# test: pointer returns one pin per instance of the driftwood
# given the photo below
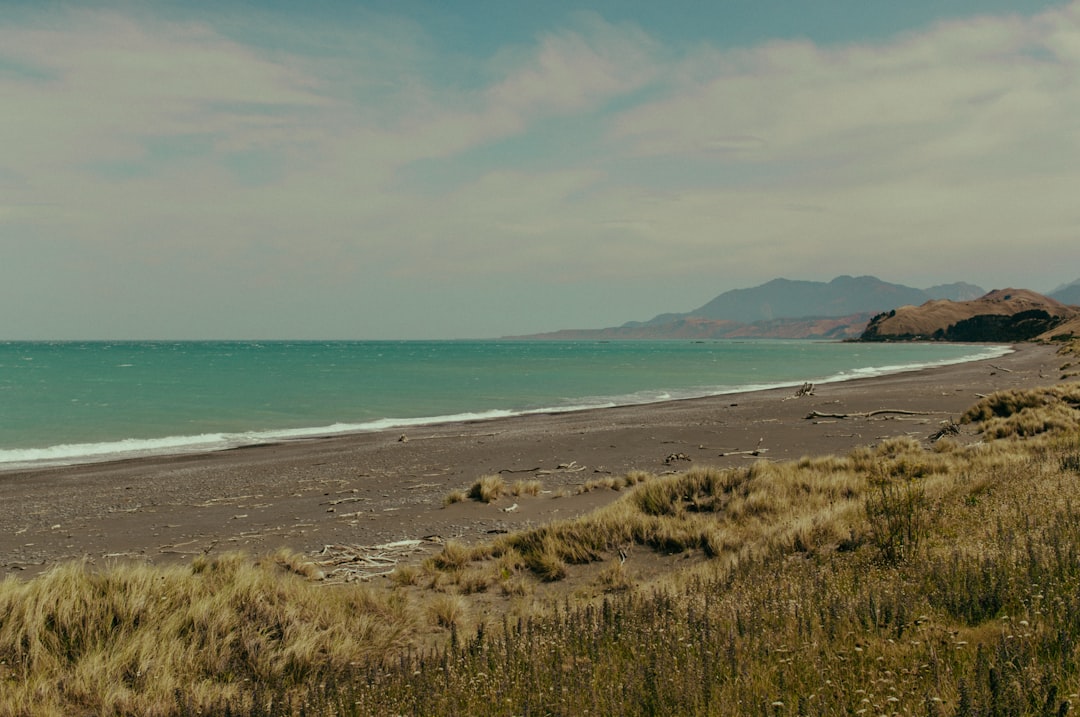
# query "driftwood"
(339, 501)
(571, 467)
(807, 389)
(948, 428)
(755, 452)
(354, 563)
(868, 414)
(404, 438)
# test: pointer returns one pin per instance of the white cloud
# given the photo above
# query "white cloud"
(577, 70)
(131, 136)
(935, 147)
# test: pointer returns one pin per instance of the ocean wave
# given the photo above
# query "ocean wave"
(72, 453)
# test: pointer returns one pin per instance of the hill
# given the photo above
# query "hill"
(1001, 315)
(1067, 294)
(843, 296)
(1062, 332)
(694, 328)
(781, 308)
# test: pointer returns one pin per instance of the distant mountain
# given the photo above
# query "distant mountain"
(959, 291)
(781, 308)
(1001, 315)
(843, 296)
(1067, 294)
(693, 328)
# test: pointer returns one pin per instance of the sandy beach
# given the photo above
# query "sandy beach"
(372, 488)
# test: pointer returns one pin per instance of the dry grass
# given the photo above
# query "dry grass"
(893, 580)
(447, 611)
(1028, 413)
(488, 488)
(124, 640)
(526, 487)
(615, 482)
(456, 496)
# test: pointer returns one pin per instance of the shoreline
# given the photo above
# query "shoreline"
(374, 487)
(123, 449)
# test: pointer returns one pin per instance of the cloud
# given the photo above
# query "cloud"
(955, 141)
(577, 70)
(110, 82)
(328, 161)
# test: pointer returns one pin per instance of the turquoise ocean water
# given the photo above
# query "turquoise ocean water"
(73, 402)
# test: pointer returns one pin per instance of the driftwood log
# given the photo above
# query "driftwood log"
(868, 414)
(354, 563)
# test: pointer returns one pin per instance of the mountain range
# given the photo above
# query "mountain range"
(784, 308)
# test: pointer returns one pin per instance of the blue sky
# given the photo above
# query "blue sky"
(408, 169)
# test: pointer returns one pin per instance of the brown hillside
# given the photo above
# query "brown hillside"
(1068, 330)
(1001, 315)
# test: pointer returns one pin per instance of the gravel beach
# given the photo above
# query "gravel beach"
(372, 488)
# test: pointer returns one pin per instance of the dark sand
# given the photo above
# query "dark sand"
(373, 488)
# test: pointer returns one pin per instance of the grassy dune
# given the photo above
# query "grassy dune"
(904, 578)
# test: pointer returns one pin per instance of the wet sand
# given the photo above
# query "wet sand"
(373, 488)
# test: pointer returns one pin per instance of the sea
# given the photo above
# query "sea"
(70, 402)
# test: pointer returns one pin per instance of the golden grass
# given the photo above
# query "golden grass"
(526, 487)
(84, 640)
(447, 610)
(488, 488)
(837, 576)
(456, 496)
(1028, 413)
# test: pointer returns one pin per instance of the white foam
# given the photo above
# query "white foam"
(71, 453)
(981, 354)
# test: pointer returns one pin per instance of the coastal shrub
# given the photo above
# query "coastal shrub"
(405, 575)
(607, 483)
(455, 496)
(488, 488)
(447, 610)
(453, 556)
(526, 487)
(1004, 414)
(896, 512)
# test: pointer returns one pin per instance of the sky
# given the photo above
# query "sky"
(422, 169)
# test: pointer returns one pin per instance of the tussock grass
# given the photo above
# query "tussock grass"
(488, 488)
(447, 610)
(456, 496)
(125, 640)
(615, 482)
(453, 556)
(526, 487)
(893, 580)
(1028, 413)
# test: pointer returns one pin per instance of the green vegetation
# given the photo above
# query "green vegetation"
(899, 579)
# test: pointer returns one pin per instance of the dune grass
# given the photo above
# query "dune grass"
(126, 639)
(898, 579)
